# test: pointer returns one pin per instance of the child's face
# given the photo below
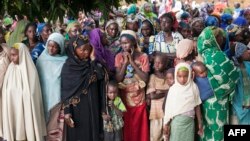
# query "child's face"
(170, 79)
(112, 92)
(186, 32)
(158, 64)
(182, 77)
(146, 30)
(53, 48)
(126, 44)
(200, 71)
(14, 56)
(83, 52)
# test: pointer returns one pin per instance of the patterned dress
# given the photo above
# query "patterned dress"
(223, 77)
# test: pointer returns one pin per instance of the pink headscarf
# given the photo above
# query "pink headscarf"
(184, 48)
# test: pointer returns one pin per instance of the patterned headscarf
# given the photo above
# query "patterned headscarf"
(225, 18)
(240, 48)
(198, 19)
(233, 30)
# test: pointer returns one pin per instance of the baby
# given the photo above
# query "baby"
(202, 81)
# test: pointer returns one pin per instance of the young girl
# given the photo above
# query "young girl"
(170, 82)
(156, 91)
(132, 69)
(23, 114)
(181, 106)
(113, 121)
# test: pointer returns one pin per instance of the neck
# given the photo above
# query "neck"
(159, 74)
(168, 33)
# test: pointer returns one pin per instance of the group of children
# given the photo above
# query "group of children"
(171, 94)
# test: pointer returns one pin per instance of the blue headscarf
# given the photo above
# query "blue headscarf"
(212, 21)
(240, 21)
(225, 18)
(49, 70)
(40, 27)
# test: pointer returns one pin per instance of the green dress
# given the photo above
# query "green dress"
(223, 76)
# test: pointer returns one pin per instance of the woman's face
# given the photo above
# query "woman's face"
(182, 77)
(14, 56)
(112, 30)
(166, 24)
(146, 30)
(46, 32)
(220, 40)
(247, 17)
(53, 48)
(126, 44)
(198, 27)
(147, 8)
(83, 52)
(132, 26)
(31, 32)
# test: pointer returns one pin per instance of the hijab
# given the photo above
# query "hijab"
(181, 98)
(103, 55)
(49, 69)
(184, 48)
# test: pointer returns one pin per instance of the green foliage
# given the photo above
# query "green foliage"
(52, 9)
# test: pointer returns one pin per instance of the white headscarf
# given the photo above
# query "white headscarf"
(23, 114)
(181, 98)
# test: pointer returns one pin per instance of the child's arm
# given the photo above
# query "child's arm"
(158, 94)
(199, 118)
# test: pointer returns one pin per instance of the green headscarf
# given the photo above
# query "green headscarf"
(222, 73)
(149, 15)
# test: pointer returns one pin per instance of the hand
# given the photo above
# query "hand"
(68, 120)
(111, 104)
(92, 54)
(148, 101)
(200, 131)
(166, 131)
(125, 57)
(106, 117)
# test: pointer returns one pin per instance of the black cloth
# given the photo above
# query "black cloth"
(76, 83)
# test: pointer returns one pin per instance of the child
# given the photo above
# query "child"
(23, 114)
(113, 121)
(202, 81)
(156, 91)
(170, 82)
(182, 105)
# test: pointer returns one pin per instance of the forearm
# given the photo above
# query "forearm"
(118, 112)
(120, 73)
(141, 74)
(198, 114)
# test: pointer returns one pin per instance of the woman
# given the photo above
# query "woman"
(103, 55)
(72, 30)
(168, 38)
(43, 31)
(185, 51)
(197, 25)
(146, 36)
(82, 91)
(241, 101)
(49, 66)
(147, 12)
(226, 19)
(112, 33)
(216, 109)
(30, 34)
(132, 69)
(23, 114)
(4, 62)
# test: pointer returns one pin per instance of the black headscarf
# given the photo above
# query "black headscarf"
(76, 74)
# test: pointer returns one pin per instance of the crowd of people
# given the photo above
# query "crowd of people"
(169, 72)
